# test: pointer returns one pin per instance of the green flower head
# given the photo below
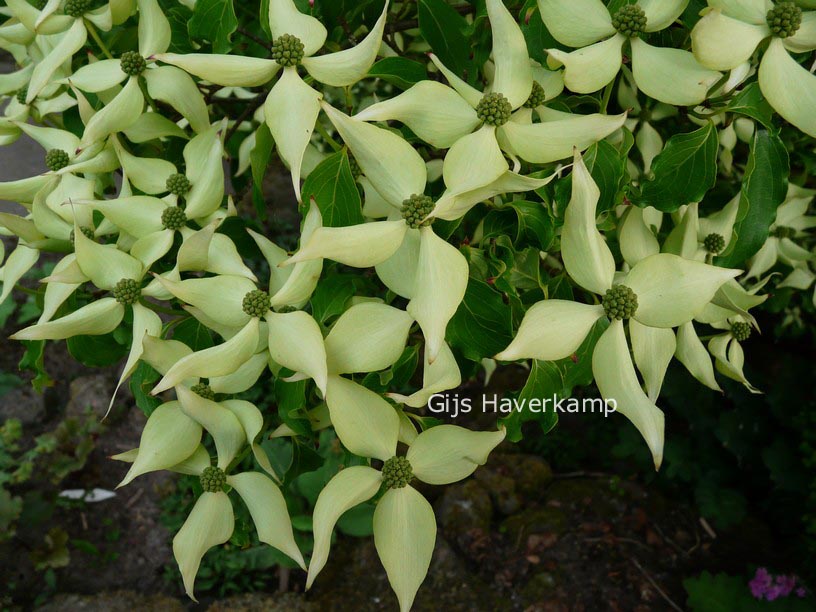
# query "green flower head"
(415, 209)
(213, 479)
(784, 19)
(57, 159)
(287, 50)
(204, 390)
(741, 331)
(714, 243)
(494, 109)
(629, 20)
(77, 8)
(126, 291)
(537, 96)
(132, 63)
(178, 184)
(256, 303)
(620, 302)
(22, 94)
(173, 218)
(397, 473)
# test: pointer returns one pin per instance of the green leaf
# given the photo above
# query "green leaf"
(96, 351)
(481, 326)
(443, 28)
(399, 71)
(291, 398)
(751, 103)
(684, 171)
(332, 186)
(33, 360)
(764, 187)
(545, 381)
(192, 333)
(215, 21)
(607, 165)
(536, 35)
(259, 161)
(142, 380)
(179, 16)
(331, 296)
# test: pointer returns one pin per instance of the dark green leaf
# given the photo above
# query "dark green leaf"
(684, 171)
(143, 379)
(331, 295)
(33, 360)
(193, 334)
(544, 382)
(443, 28)
(96, 351)
(399, 71)
(259, 160)
(763, 189)
(751, 103)
(332, 186)
(214, 21)
(481, 326)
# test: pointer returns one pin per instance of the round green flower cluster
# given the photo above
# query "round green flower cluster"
(256, 303)
(213, 479)
(397, 473)
(537, 96)
(741, 331)
(39, 4)
(204, 390)
(88, 232)
(127, 291)
(287, 50)
(56, 159)
(783, 232)
(356, 171)
(415, 209)
(286, 309)
(77, 8)
(178, 184)
(714, 243)
(630, 20)
(22, 94)
(494, 109)
(784, 19)
(620, 302)
(173, 218)
(132, 63)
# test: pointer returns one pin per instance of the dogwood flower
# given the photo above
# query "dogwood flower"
(292, 106)
(70, 28)
(672, 76)
(660, 291)
(236, 308)
(404, 522)
(478, 126)
(408, 256)
(172, 440)
(792, 221)
(703, 238)
(164, 83)
(730, 32)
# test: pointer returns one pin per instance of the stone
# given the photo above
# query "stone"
(23, 403)
(462, 508)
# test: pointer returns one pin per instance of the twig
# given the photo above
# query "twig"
(248, 112)
(255, 39)
(655, 585)
(135, 498)
(580, 474)
(708, 528)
